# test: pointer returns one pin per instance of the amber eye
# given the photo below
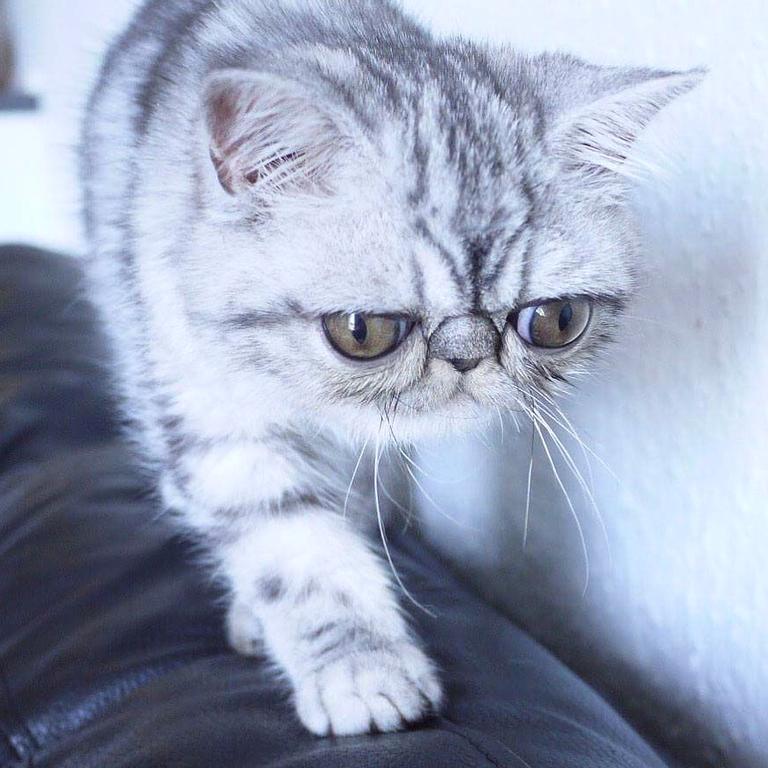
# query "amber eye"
(365, 337)
(553, 324)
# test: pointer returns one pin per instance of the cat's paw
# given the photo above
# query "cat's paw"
(244, 630)
(383, 689)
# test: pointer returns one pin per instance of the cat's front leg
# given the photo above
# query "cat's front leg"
(307, 587)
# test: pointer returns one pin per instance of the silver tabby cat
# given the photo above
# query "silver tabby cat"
(316, 229)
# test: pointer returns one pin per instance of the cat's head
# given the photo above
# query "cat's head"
(426, 234)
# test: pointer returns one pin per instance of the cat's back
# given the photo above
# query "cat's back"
(115, 109)
(166, 35)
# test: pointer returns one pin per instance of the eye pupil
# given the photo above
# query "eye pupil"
(553, 324)
(566, 316)
(358, 328)
(366, 336)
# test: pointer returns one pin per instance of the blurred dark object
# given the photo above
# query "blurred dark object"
(10, 100)
(6, 49)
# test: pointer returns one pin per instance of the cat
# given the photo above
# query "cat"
(317, 230)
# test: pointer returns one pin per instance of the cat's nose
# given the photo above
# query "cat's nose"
(464, 364)
(465, 341)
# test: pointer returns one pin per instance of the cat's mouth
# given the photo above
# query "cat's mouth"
(458, 401)
(452, 397)
(472, 394)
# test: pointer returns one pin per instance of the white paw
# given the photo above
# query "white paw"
(244, 630)
(383, 690)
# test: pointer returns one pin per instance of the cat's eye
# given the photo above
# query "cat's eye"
(553, 324)
(363, 336)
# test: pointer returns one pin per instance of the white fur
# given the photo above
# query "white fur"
(353, 689)
(254, 427)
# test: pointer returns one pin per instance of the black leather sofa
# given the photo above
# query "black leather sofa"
(111, 645)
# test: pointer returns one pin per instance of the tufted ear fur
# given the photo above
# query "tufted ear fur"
(599, 136)
(267, 132)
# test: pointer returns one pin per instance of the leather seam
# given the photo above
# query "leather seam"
(472, 743)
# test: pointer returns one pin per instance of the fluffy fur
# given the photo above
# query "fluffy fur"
(250, 166)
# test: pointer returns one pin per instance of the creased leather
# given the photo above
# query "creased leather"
(111, 643)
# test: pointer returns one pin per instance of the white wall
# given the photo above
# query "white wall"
(679, 411)
(60, 42)
(679, 616)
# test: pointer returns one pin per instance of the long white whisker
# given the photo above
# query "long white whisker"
(408, 460)
(383, 533)
(528, 489)
(482, 436)
(438, 508)
(563, 420)
(407, 513)
(354, 475)
(400, 448)
(393, 501)
(559, 417)
(565, 453)
(586, 451)
(567, 497)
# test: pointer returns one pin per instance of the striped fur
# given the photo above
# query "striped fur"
(251, 165)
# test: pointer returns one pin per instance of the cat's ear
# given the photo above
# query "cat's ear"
(267, 132)
(599, 136)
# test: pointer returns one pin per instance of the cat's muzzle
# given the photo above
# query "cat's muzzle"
(465, 341)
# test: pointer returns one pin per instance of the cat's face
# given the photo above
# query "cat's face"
(458, 255)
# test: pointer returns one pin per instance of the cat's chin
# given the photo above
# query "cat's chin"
(448, 422)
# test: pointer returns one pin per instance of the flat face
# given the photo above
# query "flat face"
(431, 240)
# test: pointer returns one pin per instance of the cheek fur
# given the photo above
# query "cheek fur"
(367, 384)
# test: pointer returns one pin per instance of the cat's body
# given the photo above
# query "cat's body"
(254, 171)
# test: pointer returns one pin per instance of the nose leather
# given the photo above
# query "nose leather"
(462, 364)
(464, 339)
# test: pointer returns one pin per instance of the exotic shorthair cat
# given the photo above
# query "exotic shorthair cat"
(316, 229)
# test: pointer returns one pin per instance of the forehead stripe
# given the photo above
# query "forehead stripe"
(450, 262)
(509, 243)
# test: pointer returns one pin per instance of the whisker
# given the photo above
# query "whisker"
(559, 417)
(404, 456)
(571, 507)
(383, 533)
(528, 489)
(354, 475)
(407, 513)
(582, 482)
(400, 401)
(651, 321)
(438, 508)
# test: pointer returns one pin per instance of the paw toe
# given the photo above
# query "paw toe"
(370, 692)
(244, 631)
(431, 689)
(311, 711)
(349, 715)
(386, 715)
